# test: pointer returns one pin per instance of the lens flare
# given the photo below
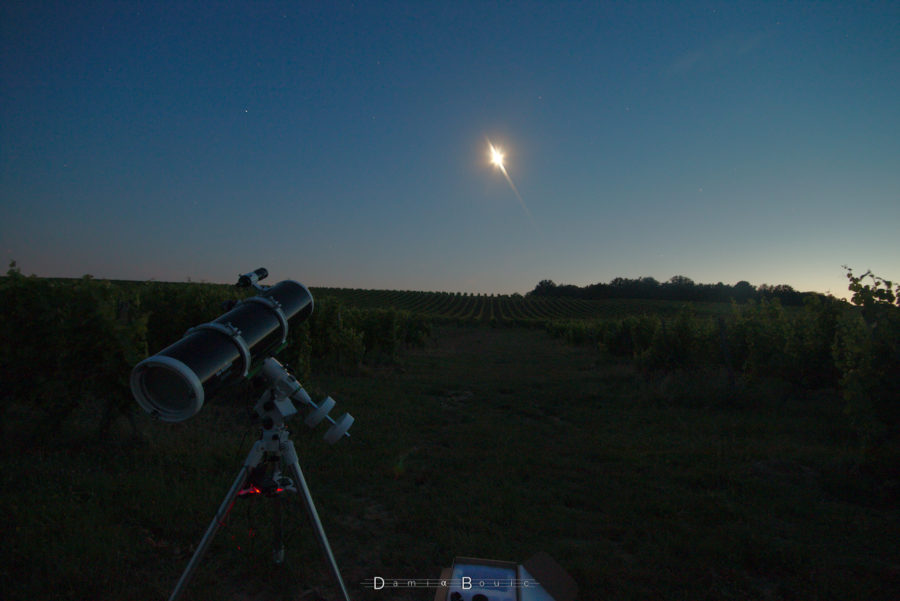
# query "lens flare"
(497, 157)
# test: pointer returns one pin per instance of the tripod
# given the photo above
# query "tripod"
(275, 445)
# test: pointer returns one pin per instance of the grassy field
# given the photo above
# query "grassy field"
(488, 442)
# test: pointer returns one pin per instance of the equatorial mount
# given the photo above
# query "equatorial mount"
(277, 403)
(275, 448)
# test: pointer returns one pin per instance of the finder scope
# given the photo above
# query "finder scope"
(250, 279)
(172, 384)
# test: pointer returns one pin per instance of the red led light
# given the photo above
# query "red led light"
(253, 490)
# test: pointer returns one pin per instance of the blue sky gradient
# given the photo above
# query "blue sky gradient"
(346, 144)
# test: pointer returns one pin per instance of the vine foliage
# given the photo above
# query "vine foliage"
(67, 347)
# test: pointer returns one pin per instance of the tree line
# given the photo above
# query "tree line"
(677, 288)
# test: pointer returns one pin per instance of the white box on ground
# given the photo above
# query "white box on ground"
(538, 579)
(533, 592)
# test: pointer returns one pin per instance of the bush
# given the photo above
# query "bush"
(808, 350)
(416, 329)
(630, 336)
(685, 343)
(866, 352)
(763, 329)
(335, 345)
(68, 343)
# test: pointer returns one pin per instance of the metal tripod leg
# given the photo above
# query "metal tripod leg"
(290, 457)
(253, 459)
(278, 531)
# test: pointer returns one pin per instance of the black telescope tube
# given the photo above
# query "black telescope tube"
(172, 384)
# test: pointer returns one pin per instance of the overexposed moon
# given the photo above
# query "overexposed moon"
(496, 157)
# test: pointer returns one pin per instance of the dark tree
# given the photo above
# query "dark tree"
(743, 291)
(544, 288)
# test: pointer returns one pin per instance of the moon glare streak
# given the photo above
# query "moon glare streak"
(497, 161)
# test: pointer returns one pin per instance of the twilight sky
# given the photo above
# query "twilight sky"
(345, 144)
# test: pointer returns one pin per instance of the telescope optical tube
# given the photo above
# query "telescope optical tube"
(172, 384)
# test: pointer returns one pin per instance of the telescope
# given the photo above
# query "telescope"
(173, 384)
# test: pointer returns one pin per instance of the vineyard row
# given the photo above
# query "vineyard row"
(462, 308)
